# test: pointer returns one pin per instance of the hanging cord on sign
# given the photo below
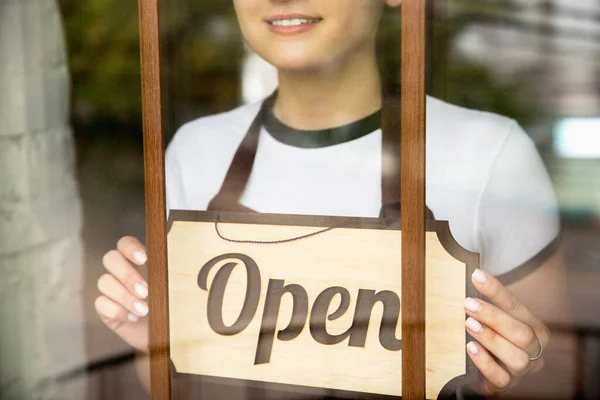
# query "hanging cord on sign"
(218, 219)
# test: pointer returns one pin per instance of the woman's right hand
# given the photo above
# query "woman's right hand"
(122, 306)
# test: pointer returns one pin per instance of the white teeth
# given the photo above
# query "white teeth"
(292, 22)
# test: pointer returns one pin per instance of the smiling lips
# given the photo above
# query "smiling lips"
(291, 24)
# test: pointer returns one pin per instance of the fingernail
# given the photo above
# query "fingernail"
(480, 276)
(141, 308)
(141, 289)
(473, 325)
(472, 348)
(140, 257)
(132, 318)
(472, 305)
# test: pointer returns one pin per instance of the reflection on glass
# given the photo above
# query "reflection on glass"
(535, 62)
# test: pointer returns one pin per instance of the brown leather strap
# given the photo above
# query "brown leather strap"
(390, 157)
(228, 198)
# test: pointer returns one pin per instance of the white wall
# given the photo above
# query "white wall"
(41, 330)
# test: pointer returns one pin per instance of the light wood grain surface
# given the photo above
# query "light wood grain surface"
(351, 258)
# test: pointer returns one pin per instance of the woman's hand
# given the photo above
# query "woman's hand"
(505, 328)
(123, 307)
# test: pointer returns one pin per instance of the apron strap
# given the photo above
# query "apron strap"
(228, 198)
(390, 157)
(238, 174)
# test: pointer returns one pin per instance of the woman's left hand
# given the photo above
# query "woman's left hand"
(505, 328)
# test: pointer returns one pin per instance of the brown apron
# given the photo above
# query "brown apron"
(228, 198)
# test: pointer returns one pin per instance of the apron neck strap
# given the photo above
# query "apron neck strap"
(236, 179)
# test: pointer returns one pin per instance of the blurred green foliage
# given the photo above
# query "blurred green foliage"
(102, 40)
(202, 51)
(201, 60)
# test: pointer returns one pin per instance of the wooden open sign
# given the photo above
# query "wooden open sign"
(318, 315)
(413, 243)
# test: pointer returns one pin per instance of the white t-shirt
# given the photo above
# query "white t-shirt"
(484, 176)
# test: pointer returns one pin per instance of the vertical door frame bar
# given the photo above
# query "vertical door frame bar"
(154, 176)
(413, 67)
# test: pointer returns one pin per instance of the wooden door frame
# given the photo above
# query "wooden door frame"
(413, 67)
(413, 38)
(154, 177)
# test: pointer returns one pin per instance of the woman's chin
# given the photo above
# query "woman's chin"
(295, 64)
(295, 57)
